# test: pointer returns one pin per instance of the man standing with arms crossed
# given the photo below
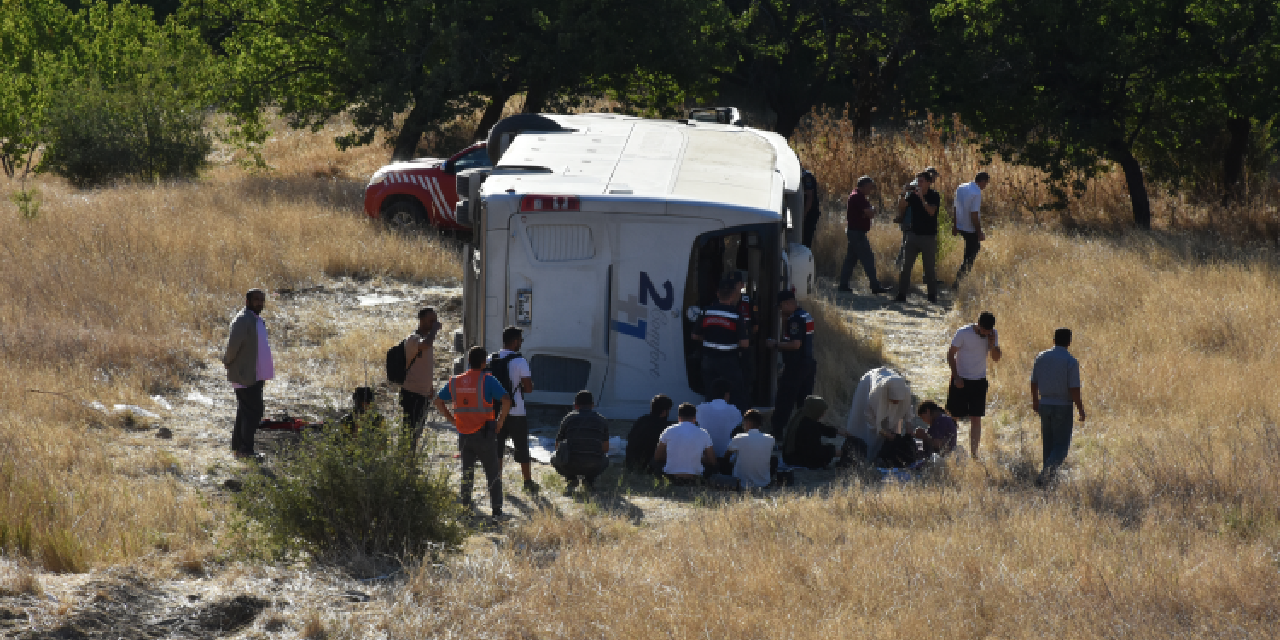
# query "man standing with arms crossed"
(249, 365)
(967, 357)
(968, 220)
(473, 395)
(1055, 386)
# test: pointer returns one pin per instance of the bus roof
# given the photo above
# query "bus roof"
(610, 155)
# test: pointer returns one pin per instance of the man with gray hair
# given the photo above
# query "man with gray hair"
(1055, 386)
(249, 365)
(858, 215)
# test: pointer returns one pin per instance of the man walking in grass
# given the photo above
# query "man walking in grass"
(249, 365)
(967, 357)
(1055, 386)
(968, 220)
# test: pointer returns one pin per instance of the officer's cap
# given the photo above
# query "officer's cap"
(786, 295)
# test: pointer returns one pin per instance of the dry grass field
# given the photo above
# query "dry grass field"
(105, 295)
(1165, 524)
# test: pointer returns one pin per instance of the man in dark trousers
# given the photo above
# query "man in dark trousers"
(798, 366)
(723, 333)
(859, 214)
(586, 435)
(249, 365)
(1055, 386)
(419, 376)
(921, 205)
(812, 208)
(474, 395)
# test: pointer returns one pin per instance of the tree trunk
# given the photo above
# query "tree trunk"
(871, 90)
(535, 99)
(492, 114)
(788, 120)
(1137, 185)
(1233, 160)
(410, 133)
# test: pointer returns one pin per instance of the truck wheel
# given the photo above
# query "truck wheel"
(404, 216)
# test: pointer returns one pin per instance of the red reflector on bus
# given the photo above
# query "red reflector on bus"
(549, 203)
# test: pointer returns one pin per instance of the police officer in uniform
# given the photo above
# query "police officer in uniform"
(798, 366)
(723, 334)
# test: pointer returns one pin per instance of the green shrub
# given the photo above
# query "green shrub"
(138, 130)
(338, 494)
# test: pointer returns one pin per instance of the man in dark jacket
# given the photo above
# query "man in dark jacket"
(249, 365)
(586, 435)
(642, 440)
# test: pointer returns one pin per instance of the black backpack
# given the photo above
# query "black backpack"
(398, 363)
(500, 368)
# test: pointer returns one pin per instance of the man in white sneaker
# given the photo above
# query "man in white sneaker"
(967, 357)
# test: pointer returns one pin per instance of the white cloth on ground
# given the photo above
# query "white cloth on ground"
(872, 408)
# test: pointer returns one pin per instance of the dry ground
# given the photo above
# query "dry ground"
(1166, 524)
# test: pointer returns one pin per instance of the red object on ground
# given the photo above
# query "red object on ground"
(285, 424)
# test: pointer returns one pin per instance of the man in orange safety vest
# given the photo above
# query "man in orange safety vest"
(474, 395)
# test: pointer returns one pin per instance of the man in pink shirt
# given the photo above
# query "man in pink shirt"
(249, 365)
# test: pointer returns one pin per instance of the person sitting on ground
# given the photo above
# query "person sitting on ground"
(685, 452)
(940, 438)
(642, 440)
(754, 462)
(804, 446)
(362, 412)
(586, 434)
(719, 419)
(881, 406)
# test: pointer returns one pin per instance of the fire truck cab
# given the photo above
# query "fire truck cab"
(601, 236)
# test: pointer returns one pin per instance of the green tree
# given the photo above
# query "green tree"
(804, 53)
(29, 30)
(432, 60)
(125, 97)
(1064, 86)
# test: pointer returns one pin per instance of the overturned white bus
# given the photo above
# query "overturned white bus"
(600, 235)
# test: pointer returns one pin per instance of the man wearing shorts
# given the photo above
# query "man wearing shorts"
(967, 357)
(516, 428)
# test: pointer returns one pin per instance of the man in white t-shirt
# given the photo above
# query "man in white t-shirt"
(968, 220)
(684, 449)
(753, 466)
(967, 357)
(719, 418)
(520, 380)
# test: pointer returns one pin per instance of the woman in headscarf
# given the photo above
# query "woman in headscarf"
(802, 446)
(880, 412)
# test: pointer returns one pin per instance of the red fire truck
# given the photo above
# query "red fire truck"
(413, 194)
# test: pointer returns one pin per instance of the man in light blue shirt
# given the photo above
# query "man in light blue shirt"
(1055, 386)
(719, 419)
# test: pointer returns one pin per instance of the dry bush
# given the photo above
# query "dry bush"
(827, 145)
(110, 294)
(846, 350)
(18, 580)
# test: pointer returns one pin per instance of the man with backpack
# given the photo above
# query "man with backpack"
(474, 395)
(417, 379)
(512, 370)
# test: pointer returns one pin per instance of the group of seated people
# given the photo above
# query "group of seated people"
(715, 441)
